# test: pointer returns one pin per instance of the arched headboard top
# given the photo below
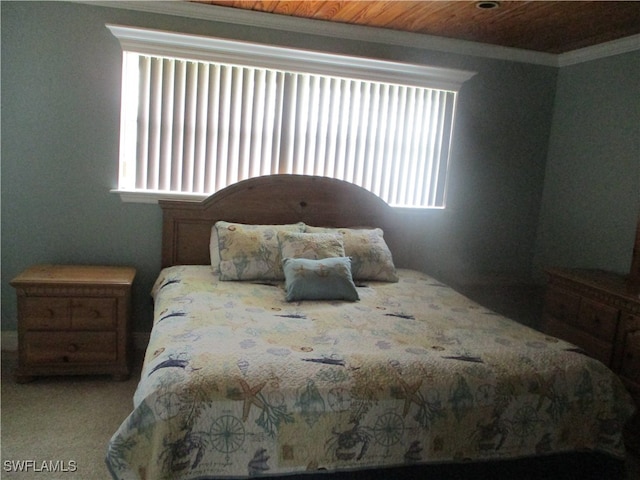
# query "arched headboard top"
(273, 199)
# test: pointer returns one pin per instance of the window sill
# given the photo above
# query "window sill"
(153, 196)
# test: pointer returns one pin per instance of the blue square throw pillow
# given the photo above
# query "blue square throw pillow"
(325, 279)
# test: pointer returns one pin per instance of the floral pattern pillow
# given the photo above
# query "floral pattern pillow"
(251, 252)
(314, 246)
(371, 258)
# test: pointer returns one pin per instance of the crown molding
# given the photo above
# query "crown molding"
(361, 33)
(602, 50)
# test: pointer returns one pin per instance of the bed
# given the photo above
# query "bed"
(251, 372)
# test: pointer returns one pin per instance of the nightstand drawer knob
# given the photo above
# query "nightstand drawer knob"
(50, 313)
(72, 348)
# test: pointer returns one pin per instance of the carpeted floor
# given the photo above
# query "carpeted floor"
(67, 421)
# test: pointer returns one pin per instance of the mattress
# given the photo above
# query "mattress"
(237, 382)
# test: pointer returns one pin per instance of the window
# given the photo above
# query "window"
(200, 113)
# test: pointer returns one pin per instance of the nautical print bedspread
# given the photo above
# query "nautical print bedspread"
(237, 382)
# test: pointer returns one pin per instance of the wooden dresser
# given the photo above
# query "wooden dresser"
(73, 320)
(599, 312)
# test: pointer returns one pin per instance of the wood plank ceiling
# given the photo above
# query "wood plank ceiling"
(544, 26)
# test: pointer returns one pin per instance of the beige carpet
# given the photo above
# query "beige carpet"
(75, 416)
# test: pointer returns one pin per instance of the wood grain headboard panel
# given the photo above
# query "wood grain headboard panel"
(274, 199)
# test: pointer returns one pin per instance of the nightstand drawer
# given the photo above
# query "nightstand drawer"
(93, 313)
(47, 313)
(598, 319)
(70, 347)
(82, 313)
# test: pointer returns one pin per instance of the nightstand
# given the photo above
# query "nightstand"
(73, 320)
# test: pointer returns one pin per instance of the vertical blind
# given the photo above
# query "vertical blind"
(195, 127)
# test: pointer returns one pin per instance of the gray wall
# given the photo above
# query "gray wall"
(591, 196)
(60, 122)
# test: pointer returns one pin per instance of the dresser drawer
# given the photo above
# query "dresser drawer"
(593, 346)
(562, 305)
(46, 313)
(630, 367)
(70, 347)
(597, 318)
(93, 313)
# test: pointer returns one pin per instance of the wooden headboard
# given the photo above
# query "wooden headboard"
(274, 199)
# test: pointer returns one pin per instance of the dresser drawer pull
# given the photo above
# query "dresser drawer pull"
(72, 348)
(50, 313)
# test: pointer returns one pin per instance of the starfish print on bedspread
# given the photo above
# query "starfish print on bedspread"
(270, 416)
(428, 410)
(410, 394)
(249, 395)
(546, 391)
